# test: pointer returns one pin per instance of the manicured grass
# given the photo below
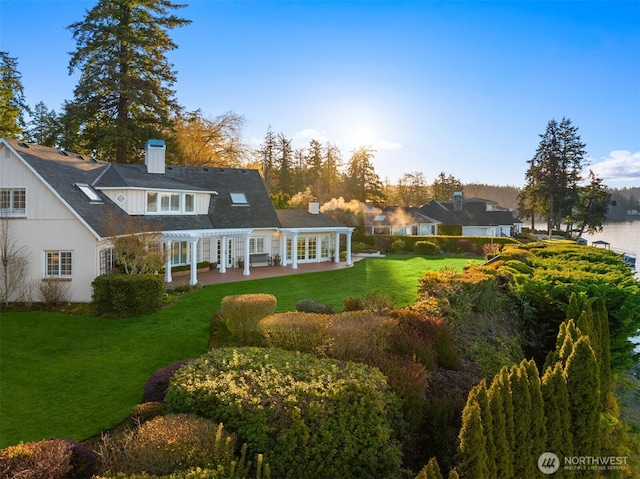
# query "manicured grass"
(75, 376)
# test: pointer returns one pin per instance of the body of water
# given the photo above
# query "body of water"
(624, 236)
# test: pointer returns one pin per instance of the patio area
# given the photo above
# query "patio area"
(258, 272)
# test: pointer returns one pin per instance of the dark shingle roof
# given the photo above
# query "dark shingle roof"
(62, 171)
(304, 219)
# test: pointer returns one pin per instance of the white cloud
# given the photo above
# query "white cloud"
(308, 134)
(386, 145)
(619, 166)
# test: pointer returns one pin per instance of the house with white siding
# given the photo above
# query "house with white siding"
(64, 208)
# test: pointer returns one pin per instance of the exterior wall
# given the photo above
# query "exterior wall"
(321, 243)
(49, 226)
(135, 201)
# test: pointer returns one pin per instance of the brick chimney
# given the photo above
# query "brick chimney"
(154, 152)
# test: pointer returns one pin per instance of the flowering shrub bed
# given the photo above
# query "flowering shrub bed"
(312, 418)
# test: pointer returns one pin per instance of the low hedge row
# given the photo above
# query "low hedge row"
(311, 417)
(448, 244)
(127, 295)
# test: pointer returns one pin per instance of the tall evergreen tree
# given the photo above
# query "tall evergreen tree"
(583, 386)
(524, 466)
(445, 186)
(430, 471)
(362, 181)
(45, 129)
(538, 433)
(12, 101)
(482, 398)
(266, 159)
(556, 410)
(601, 316)
(284, 159)
(592, 206)
(472, 449)
(124, 95)
(554, 173)
(503, 450)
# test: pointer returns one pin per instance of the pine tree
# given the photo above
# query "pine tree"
(45, 129)
(362, 181)
(124, 94)
(601, 317)
(12, 102)
(472, 449)
(503, 450)
(556, 410)
(524, 464)
(453, 474)
(574, 308)
(554, 172)
(583, 386)
(430, 471)
(482, 398)
(538, 419)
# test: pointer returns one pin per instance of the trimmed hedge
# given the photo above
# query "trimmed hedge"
(127, 295)
(312, 418)
(53, 459)
(448, 244)
(242, 312)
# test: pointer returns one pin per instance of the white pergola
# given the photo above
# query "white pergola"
(194, 236)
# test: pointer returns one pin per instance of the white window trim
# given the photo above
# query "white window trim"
(182, 203)
(59, 274)
(254, 241)
(12, 211)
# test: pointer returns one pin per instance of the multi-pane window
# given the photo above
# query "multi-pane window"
(171, 203)
(256, 244)
(179, 252)
(13, 201)
(324, 246)
(301, 248)
(312, 247)
(107, 260)
(58, 264)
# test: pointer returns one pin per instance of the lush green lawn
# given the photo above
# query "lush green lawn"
(74, 376)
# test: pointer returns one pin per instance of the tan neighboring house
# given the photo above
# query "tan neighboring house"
(63, 208)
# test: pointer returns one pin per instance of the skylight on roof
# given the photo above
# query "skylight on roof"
(89, 192)
(379, 218)
(238, 198)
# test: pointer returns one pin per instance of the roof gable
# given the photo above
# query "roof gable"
(63, 171)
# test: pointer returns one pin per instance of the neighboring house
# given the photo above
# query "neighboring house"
(476, 216)
(63, 208)
(399, 221)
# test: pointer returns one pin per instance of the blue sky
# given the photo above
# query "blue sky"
(459, 87)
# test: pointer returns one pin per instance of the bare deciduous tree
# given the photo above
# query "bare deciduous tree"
(14, 262)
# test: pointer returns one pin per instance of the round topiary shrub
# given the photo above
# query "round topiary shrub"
(167, 444)
(311, 306)
(397, 246)
(242, 312)
(156, 387)
(311, 417)
(53, 459)
(426, 247)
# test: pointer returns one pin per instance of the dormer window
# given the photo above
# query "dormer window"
(238, 199)
(160, 202)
